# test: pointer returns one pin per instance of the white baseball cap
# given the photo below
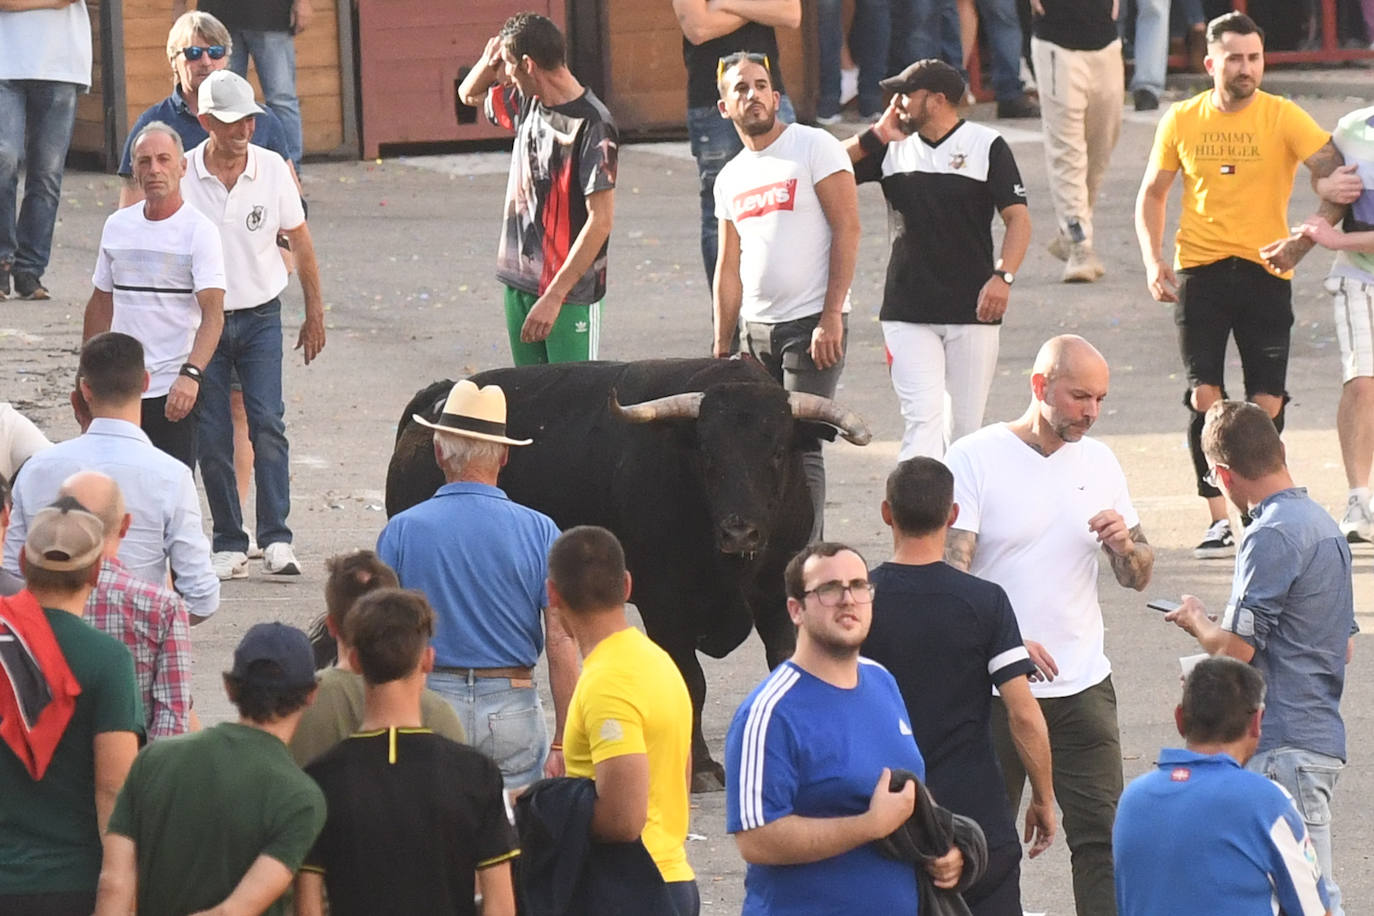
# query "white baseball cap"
(227, 96)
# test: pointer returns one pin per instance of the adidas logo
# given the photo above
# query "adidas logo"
(580, 327)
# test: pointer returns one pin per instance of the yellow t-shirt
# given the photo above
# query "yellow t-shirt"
(1238, 170)
(631, 699)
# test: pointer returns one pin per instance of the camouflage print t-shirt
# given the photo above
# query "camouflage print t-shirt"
(562, 153)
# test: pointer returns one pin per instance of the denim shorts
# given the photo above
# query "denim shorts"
(506, 723)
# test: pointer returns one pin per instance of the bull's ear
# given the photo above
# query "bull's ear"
(808, 433)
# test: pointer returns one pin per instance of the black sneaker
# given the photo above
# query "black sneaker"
(1019, 107)
(26, 286)
(4, 280)
(1145, 100)
(1218, 543)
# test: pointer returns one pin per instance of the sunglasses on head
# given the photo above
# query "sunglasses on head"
(730, 60)
(194, 52)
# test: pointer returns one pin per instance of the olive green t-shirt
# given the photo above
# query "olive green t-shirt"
(338, 712)
(49, 841)
(202, 807)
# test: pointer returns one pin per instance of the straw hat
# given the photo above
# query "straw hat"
(478, 413)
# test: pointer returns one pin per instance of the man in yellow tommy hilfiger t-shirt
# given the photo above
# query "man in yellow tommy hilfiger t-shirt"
(1238, 149)
(629, 722)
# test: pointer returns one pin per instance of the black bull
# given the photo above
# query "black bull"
(700, 477)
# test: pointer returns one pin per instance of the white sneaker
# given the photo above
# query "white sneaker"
(1358, 524)
(279, 560)
(1082, 266)
(849, 85)
(1059, 246)
(229, 564)
(254, 551)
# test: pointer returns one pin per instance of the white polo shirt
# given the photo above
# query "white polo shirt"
(153, 269)
(263, 201)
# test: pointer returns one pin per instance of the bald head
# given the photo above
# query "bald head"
(1069, 381)
(101, 495)
(1068, 354)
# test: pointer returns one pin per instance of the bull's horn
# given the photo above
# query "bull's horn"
(815, 407)
(674, 407)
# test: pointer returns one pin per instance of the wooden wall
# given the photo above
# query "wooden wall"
(88, 134)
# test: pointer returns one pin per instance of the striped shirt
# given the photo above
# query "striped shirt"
(152, 622)
(154, 268)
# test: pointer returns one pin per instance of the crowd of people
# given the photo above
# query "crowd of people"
(419, 773)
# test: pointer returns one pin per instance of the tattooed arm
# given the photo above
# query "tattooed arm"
(959, 547)
(1133, 569)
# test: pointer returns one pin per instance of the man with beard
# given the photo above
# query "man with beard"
(945, 295)
(1238, 149)
(560, 200)
(1038, 503)
(789, 240)
(810, 754)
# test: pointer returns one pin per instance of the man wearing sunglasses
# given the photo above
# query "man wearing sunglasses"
(45, 60)
(197, 45)
(810, 754)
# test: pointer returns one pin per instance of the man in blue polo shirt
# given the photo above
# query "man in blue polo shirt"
(1200, 834)
(950, 640)
(197, 46)
(809, 758)
(482, 562)
(1291, 615)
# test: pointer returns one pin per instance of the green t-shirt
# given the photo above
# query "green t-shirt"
(202, 807)
(49, 842)
(338, 711)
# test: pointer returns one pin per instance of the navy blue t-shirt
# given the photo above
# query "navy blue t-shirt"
(799, 745)
(949, 638)
(172, 111)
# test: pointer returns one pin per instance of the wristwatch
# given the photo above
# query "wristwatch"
(1006, 276)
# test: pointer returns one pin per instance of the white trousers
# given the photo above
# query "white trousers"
(1080, 110)
(942, 374)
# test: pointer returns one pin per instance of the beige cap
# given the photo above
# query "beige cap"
(64, 537)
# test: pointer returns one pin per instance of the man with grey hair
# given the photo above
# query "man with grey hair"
(159, 277)
(197, 45)
(482, 562)
(150, 619)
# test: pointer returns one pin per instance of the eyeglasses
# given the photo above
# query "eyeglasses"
(193, 52)
(1211, 476)
(729, 60)
(830, 593)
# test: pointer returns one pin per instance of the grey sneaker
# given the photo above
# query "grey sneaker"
(1358, 524)
(1083, 265)
(279, 560)
(1059, 246)
(229, 564)
(1218, 543)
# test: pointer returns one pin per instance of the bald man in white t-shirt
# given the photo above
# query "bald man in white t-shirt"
(1039, 504)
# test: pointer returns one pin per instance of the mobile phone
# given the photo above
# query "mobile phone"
(1163, 605)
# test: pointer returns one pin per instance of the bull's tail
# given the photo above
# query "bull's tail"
(427, 403)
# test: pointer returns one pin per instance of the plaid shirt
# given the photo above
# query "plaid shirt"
(152, 622)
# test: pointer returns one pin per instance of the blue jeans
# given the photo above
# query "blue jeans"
(506, 723)
(887, 36)
(1311, 779)
(36, 118)
(1151, 45)
(274, 54)
(714, 143)
(830, 32)
(1002, 26)
(250, 345)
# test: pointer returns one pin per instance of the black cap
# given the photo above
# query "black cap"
(286, 647)
(930, 74)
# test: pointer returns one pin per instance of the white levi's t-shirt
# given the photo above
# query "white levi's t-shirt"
(154, 268)
(770, 196)
(263, 200)
(1031, 513)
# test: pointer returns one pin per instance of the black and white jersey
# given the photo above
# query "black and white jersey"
(943, 196)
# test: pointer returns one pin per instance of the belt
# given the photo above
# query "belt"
(514, 674)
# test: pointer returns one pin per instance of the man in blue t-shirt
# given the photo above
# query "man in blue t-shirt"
(1291, 614)
(810, 754)
(1203, 835)
(950, 639)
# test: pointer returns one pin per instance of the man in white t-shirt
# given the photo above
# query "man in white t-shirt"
(1039, 504)
(249, 192)
(159, 277)
(789, 239)
(45, 60)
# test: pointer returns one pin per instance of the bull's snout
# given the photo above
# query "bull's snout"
(740, 536)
